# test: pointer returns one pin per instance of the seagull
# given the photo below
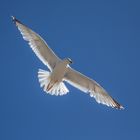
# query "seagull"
(52, 81)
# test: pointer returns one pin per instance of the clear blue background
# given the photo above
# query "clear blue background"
(102, 38)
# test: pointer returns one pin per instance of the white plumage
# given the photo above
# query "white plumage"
(53, 82)
(58, 88)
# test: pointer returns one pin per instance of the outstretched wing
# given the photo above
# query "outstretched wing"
(88, 85)
(38, 45)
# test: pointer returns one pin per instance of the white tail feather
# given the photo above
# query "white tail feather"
(57, 89)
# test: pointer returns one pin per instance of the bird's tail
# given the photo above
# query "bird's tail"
(57, 89)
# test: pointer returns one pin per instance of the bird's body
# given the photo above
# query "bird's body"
(59, 72)
(57, 75)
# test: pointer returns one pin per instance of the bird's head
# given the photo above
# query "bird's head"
(69, 61)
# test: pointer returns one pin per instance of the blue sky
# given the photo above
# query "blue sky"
(102, 38)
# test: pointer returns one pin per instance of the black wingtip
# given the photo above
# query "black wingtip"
(15, 20)
(118, 106)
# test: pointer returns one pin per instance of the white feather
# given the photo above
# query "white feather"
(57, 89)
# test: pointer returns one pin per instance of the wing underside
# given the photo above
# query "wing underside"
(90, 86)
(38, 45)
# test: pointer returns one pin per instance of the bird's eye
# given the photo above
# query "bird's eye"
(69, 60)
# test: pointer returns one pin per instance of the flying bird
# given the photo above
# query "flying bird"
(52, 81)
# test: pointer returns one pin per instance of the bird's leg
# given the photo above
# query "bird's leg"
(50, 85)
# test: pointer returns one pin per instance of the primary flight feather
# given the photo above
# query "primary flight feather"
(53, 81)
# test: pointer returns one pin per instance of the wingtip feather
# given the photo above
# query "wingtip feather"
(117, 105)
(15, 20)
